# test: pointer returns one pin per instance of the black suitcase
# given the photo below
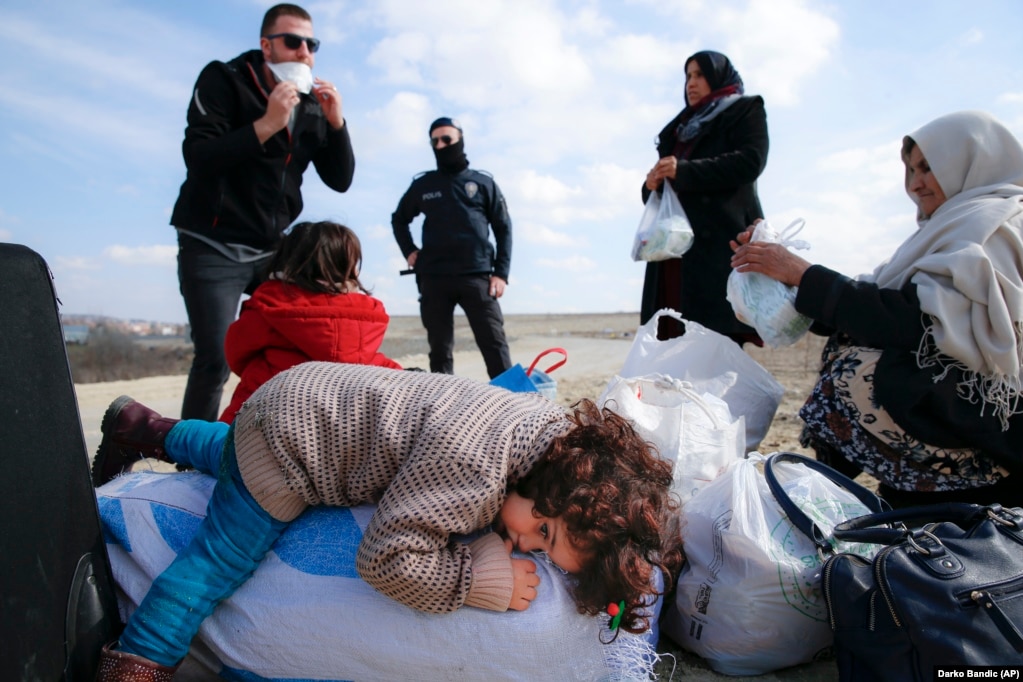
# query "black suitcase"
(59, 605)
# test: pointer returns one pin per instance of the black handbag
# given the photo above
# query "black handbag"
(945, 589)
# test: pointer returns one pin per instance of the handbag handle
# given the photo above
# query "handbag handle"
(796, 515)
(865, 528)
(553, 367)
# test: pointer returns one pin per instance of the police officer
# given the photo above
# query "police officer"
(457, 263)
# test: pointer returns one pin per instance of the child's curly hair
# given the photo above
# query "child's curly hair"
(613, 493)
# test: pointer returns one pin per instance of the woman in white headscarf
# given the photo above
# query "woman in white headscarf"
(923, 373)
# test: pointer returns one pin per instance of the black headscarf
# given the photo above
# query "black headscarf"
(725, 85)
(717, 69)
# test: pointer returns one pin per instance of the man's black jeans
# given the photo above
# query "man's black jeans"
(212, 285)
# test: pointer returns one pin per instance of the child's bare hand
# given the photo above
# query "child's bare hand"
(526, 580)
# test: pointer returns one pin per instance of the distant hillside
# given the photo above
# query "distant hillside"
(130, 327)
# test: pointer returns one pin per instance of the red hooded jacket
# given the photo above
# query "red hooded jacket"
(283, 325)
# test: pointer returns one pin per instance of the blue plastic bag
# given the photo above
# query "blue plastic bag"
(532, 380)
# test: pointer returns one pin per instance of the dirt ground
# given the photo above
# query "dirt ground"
(596, 345)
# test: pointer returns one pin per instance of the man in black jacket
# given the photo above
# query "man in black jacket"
(254, 125)
(457, 264)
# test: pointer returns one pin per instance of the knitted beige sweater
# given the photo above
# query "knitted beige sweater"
(435, 452)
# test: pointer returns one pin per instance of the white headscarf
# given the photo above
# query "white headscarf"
(967, 259)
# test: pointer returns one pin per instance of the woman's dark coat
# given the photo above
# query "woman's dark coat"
(716, 186)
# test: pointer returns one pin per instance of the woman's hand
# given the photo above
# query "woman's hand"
(664, 168)
(767, 258)
(745, 236)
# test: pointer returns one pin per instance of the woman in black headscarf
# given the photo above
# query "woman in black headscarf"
(711, 153)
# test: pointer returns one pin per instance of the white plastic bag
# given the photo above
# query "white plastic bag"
(764, 303)
(713, 364)
(749, 599)
(696, 433)
(664, 231)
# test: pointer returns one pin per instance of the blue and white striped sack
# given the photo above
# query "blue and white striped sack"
(306, 614)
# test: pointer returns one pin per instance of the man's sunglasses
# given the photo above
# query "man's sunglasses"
(293, 41)
(446, 139)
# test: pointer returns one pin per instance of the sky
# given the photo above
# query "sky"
(560, 101)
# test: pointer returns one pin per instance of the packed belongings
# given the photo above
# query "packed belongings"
(764, 303)
(306, 614)
(711, 363)
(749, 598)
(664, 230)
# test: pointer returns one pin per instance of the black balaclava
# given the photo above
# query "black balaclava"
(450, 159)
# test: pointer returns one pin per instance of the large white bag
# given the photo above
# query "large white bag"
(749, 599)
(713, 364)
(696, 433)
(763, 302)
(306, 614)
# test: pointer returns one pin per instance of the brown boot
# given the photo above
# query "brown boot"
(118, 666)
(131, 431)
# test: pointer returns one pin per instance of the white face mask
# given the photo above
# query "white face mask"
(298, 73)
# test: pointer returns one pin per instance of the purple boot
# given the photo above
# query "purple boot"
(131, 432)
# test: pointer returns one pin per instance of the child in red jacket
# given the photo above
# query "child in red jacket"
(313, 307)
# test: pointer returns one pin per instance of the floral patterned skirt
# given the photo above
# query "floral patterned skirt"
(842, 415)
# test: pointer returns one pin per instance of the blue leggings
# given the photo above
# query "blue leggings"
(226, 549)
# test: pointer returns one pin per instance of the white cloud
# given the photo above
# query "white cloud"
(480, 55)
(376, 232)
(402, 122)
(589, 22)
(574, 264)
(876, 169)
(616, 185)
(160, 255)
(545, 190)
(401, 58)
(643, 55)
(72, 263)
(537, 233)
(776, 45)
(974, 36)
(601, 194)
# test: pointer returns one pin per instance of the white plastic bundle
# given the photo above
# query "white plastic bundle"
(764, 303)
(749, 597)
(306, 614)
(664, 231)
